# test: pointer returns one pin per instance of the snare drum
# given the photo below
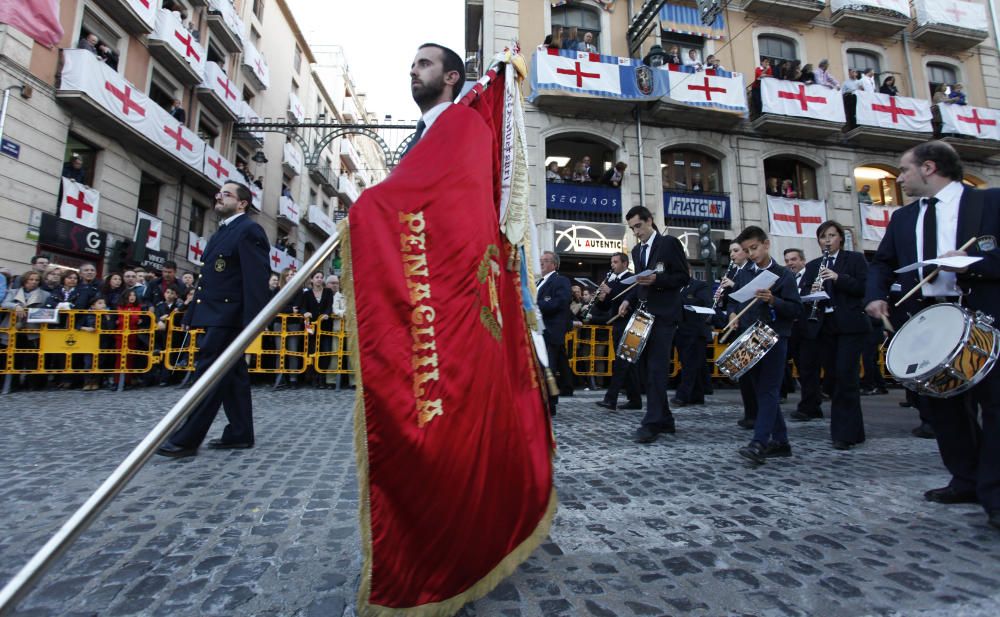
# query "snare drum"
(943, 350)
(635, 336)
(746, 351)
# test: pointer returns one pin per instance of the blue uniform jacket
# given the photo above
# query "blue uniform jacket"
(233, 285)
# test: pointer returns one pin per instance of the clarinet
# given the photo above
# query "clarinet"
(585, 313)
(818, 284)
(721, 291)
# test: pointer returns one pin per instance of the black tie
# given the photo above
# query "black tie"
(416, 136)
(642, 257)
(930, 234)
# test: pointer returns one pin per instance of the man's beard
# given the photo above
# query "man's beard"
(428, 92)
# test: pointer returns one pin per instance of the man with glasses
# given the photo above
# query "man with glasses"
(553, 302)
(233, 289)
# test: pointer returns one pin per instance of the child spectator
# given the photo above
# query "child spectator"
(88, 323)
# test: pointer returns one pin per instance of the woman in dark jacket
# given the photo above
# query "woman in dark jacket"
(314, 302)
(889, 86)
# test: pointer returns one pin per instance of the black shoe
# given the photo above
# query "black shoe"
(175, 451)
(994, 519)
(949, 495)
(676, 402)
(753, 452)
(905, 404)
(218, 444)
(882, 390)
(868, 391)
(668, 429)
(774, 450)
(607, 405)
(798, 416)
(924, 431)
(746, 423)
(633, 405)
(841, 445)
(645, 435)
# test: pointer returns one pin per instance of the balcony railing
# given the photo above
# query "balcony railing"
(873, 17)
(255, 66)
(349, 155)
(288, 210)
(134, 15)
(225, 24)
(348, 190)
(795, 109)
(950, 24)
(219, 93)
(320, 221)
(583, 202)
(291, 158)
(793, 10)
(175, 48)
(883, 121)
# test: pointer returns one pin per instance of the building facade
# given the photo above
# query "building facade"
(692, 161)
(106, 97)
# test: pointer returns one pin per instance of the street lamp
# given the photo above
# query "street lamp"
(258, 157)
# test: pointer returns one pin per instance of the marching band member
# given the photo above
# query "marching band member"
(623, 373)
(659, 292)
(795, 260)
(946, 215)
(776, 307)
(740, 258)
(691, 342)
(838, 328)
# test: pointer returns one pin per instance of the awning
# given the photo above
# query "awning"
(685, 19)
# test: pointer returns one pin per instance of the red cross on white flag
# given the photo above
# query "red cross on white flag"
(196, 248)
(795, 217)
(579, 73)
(79, 203)
(155, 230)
(893, 112)
(790, 98)
(874, 221)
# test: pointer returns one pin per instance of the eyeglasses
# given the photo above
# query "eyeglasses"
(224, 194)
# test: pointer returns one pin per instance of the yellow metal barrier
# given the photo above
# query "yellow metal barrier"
(82, 342)
(180, 345)
(590, 350)
(330, 356)
(284, 348)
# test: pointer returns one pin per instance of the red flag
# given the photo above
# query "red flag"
(39, 19)
(453, 441)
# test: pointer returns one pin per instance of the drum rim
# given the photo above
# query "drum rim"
(970, 320)
(757, 325)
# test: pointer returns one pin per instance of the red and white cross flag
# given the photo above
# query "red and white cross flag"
(585, 72)
(155, 229)
(893, 112)
(196, 248)
(218, 168)
(978, 122)
(706, 88)
(79, 203)
(279, 260)
(795, 217)
(791, 98)
(875, 220)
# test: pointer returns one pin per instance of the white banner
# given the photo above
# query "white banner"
(155, 229)
(219, 169)
(978, 122)
(196, 248)
(248, 114)
(288, 209)
(791, 98)
(223, 87)
(229, 16)
(79, 203)
(899, 6)
(795, 217)
(968, 15)
(146, 10)
(291, 155)
(295, 107)
(280, 260)
(317, 217)
(893, 112)
(171, 29)
(256, 63)
(875, 220)
(580, 73)
(180, 141)
(257, 194)
(707, 89)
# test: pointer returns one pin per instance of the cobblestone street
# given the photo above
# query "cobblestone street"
(678, 527)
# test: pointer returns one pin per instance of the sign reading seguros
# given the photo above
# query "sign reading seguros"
(589, 238)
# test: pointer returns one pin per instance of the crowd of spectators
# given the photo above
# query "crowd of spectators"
(583, 172)
(104, 52)
(571, 38)
(781, 188)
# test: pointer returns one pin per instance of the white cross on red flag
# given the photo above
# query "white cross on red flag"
(792, 98)
(795, 217)
(875, 220)
(155, 229)
(79, 203)
(196, 248)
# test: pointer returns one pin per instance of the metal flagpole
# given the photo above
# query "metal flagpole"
(25, 580)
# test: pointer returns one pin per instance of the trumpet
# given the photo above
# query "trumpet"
(585, 313)
(818, 284)
(721, 291)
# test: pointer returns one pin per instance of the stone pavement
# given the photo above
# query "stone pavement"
(678, 527)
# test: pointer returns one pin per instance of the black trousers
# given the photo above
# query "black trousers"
(623, 373)
(788, 383)
(656, 356)
(811, 362)
(232, 392)
(846, 421)
(558, 362)
(969, 446)
(692, 352)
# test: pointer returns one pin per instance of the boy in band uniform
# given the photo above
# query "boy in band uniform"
(776, 307)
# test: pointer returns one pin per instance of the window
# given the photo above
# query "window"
(801, 175)
(878, 185)
(162, 90)
(690, 170)
(258, 9)
(198, 215)
(684, 44)
(208, 129)
(777, 48)
(76, 147)
(860, 61)
(567, 158)
(106, 40)
(313, 197)
(297, 59)
(149, 194)
(248, 95)
(214, 54)
(584, 19)
(939, 74)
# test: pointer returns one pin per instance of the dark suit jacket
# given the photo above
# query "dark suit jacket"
(307, 303)
(233, 287)
(787, 303)
(553, 302)
(978, 216)
(663, 299)
(696, 293)
(847, 294)
(609, 305)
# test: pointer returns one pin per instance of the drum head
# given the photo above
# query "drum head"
(926, 341)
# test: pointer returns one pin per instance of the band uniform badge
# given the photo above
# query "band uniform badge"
(659, 267)
(986, 243)
(220, 264)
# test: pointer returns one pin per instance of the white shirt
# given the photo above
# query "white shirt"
(868, 84)
(231, 219)
(545, 279)
(946, 210)
(432, 115)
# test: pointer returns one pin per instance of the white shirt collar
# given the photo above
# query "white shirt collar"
(951, 193)
(231, 219)
(432, 114)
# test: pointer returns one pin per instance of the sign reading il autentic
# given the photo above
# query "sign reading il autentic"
(696, 206)
(591, 238)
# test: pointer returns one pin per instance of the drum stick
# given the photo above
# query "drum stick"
(927, 278)
(887, 325)
(735, 322)
(624, 291)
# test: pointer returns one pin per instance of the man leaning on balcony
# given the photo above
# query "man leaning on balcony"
(823, 77)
